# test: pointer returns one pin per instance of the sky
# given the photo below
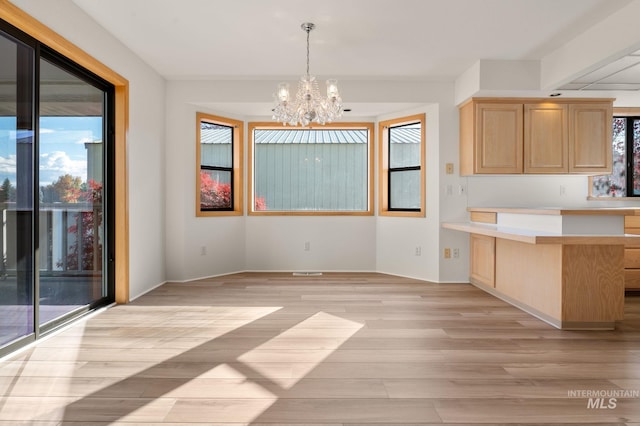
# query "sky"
(62, 149)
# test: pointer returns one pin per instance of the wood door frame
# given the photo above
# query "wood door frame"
(24, 22)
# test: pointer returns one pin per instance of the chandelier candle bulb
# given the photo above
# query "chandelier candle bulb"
(308, 105)
(332, 89)
(283, 92)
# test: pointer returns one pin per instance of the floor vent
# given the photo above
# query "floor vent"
(307, 274)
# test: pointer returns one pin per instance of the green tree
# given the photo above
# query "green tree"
(6, 191)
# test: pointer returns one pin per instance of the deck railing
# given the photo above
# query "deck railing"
(69, 238)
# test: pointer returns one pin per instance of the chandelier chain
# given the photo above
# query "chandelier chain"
(308, 30)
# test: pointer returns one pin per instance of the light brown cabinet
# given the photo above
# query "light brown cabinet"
(497, 135)
(546, 138)
(590, 134)
(632, 255)
(514, 136)
(483, 259)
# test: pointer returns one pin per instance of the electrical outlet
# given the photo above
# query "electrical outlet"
(456, 253)
(307, 246)
(447, 253)
(418, 251)
(449, 168)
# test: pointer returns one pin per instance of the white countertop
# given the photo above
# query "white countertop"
(540, 237)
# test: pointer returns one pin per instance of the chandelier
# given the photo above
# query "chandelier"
(308, 105)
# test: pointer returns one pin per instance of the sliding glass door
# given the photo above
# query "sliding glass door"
(55, 182)
(16, 191)
(71, 228)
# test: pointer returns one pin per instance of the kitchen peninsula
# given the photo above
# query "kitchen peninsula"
(564, 266)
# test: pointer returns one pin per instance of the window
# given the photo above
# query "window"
(219, 176)
(625, 179)
(401, 171)
(307, 171)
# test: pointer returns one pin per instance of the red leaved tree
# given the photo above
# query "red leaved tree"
(213, 194)
(261, 204)
(216, 195)
(89, 222)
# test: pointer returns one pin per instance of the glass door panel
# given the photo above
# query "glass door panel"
(71, 229)
(16, 191)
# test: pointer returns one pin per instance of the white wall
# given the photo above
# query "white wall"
(337, 243)
(222, 237)
(146, 134)
(398, 238)
(453, 191)
(259, 243)
(527, 191)
(535, 191)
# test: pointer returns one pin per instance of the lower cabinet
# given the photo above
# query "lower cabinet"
(483, 259)
(632, 268)
(571, 284)
(632, 279)
(632, 255)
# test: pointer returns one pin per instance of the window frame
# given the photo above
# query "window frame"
(236, 169)
(385, 171)
(620, 112)
(336, 126)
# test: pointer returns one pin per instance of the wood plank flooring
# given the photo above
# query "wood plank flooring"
(339, 349)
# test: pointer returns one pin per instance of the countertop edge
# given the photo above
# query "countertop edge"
(603, 211)
(537, 237)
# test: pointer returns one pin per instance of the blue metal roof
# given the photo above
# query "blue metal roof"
(306, 136)
(213, 134)
(220, 135)
(406, 135)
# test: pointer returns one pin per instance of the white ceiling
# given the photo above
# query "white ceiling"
(621, 74)
(433, 40)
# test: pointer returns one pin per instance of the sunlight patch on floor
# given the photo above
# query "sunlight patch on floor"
(304, 334)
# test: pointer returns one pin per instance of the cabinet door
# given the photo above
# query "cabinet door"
(483, 259)
(498, 138)
(632, 279)
(546, 138)
(590, 133)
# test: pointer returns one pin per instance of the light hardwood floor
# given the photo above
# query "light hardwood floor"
(339, 349)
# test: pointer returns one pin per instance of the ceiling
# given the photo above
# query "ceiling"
(426, 40)
(620, 74)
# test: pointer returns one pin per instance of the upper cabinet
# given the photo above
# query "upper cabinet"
(492, 138)
(514, 136)
(546, 138)
(590, 133)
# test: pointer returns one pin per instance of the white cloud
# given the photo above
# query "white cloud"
(86, 140)
(57, 163)
(52, 166)
(8, 165)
